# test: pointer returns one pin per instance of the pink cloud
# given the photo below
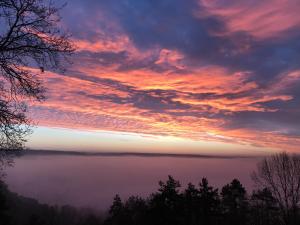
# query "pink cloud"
(262, 19)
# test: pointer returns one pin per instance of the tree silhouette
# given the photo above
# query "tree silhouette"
(30, 42)
(135, 211)
(4, 217)
(165, 205)
(116, 212)
(280, 174)
(210, 203)
(234, 203)
(191, 204)
(264, 208)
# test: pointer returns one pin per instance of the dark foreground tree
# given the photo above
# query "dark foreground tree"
(209, 203)
(280, 174)
(165, 206)
(116, 212)
(4, 217)
(30, 42)
(234, 203)
(191, 205)
(264, 208)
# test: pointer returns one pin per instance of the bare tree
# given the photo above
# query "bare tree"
(31, 40)
(281, 175)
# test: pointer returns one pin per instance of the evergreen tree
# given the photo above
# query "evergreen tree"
(116, 212)
(210, 203)
(191, 205)
(234, 203)
(166, 204)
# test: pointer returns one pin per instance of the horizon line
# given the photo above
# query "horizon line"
(125, 154)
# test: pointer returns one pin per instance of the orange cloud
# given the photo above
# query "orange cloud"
(107, 44)
(96, 105)
(157, 92)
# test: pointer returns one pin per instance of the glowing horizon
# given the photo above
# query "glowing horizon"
(65, 139)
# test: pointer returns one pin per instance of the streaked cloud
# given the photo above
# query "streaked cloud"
(262, 19)
(199, 70)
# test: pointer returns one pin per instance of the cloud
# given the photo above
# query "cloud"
(203, 70)
(261, 19)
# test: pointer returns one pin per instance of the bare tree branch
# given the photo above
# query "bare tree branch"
(281, 175)
(30, 38)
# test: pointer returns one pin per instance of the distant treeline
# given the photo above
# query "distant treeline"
(19, 210)
(275, 202)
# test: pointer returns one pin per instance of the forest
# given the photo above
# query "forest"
(275, 201)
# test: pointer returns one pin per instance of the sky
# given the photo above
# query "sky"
(192, 76)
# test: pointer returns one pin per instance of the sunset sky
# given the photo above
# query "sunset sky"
(182, 76)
